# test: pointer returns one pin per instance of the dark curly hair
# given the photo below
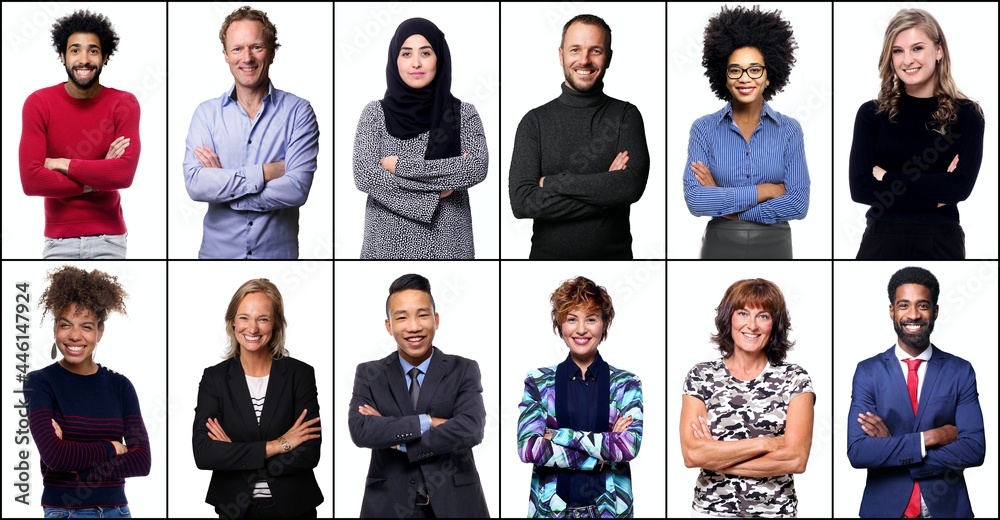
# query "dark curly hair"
(917, 275)
(762, 294)
(738, 27)
(581, 292)
(84, 21)
(96, 291)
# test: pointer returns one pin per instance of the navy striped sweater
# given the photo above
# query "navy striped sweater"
(81, 470)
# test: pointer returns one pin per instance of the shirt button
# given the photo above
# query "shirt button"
(251, 222)
(413, 481)
(249, 141)
(748, 153)
(249, 252)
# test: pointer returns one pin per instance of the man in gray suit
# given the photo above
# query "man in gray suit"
(421, 412)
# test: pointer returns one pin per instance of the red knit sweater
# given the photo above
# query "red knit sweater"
(57, 125)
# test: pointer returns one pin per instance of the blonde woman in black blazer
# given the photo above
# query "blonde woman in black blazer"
(256, 425)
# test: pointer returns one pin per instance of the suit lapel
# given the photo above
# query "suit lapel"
(931, 376)
(275, 387)
(899, 395)
(241, 394)
(440, 366)
(395, 380)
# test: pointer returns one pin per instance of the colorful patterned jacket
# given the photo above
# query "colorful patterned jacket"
(580, 450)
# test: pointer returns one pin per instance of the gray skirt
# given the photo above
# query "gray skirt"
(739, 239)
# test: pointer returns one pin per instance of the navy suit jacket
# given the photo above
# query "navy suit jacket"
(948, 396)
(451, 390)
(236, 465)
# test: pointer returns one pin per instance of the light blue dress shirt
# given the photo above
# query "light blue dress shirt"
(425, 420)
(775, 154)
(247, 217)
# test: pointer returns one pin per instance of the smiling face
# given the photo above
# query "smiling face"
(751, 329)
(417, 62)
(584, 56)
(83, 61)
(914, 60)
(412, 322)
(253, 323)
(746, 90)
(77, 334)
(247, 54)
(582, 331)
(913, 317)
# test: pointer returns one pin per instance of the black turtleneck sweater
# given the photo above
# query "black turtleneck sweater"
(916, 161)
(582, 211)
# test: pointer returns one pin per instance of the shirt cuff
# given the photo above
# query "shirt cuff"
(425, 423)
(744, 198)
(402, 448)
(923, 447)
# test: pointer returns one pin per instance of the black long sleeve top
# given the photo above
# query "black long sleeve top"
(582, 209)
(916, 160)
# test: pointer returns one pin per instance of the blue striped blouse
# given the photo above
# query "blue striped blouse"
(775, 154)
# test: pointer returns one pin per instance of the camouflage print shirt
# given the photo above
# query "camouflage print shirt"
(744, 410)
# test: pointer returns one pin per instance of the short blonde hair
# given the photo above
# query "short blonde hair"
(248, 13)
(264, 286)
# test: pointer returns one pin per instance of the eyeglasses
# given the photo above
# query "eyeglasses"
(754, 71)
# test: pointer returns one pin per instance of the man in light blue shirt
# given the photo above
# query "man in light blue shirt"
(251, 153)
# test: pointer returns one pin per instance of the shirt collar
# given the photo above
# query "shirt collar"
(924, 356)
(574, 370)
(230, 96)
(422, 366)
(767, 111)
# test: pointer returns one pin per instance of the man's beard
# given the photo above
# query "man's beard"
(918, 340)
(84, 84)
(572, 79)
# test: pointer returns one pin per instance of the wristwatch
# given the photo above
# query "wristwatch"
(284, 444)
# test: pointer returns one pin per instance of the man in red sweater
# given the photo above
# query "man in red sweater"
(80, 145)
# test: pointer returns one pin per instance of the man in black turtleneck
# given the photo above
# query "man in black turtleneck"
(580, 160)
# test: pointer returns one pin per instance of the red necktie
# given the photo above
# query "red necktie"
(913, 506)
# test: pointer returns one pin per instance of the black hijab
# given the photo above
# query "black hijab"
(410, 112)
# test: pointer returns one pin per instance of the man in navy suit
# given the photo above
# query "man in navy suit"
(420, 411)
(915, 421)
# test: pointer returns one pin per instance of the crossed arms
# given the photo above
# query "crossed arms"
(568, 193)
(754, 457)
(871, 444)
(412, 187)
(68, 177)
(282, 182)
(371, 427)
(574, 449)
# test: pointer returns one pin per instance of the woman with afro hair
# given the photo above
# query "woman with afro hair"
(83, 417)
(746, 165)
(917, 147)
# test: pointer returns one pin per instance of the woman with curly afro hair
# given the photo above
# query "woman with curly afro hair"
(581, 420)
(917, 147)
(746, 166)
(83, 417)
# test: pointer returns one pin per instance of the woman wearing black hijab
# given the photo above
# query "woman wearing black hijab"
(416, 152)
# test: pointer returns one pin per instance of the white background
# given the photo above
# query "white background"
(31, 63)
(695, 291)
(529, 59)
(199, 73)
(132, 345)
(464, 297)
(198, 297)
(635, 343)
(857, 45)
(362, 32)
(863, 329)
(808, 98)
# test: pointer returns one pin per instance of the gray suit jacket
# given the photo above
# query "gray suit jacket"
(451, 390)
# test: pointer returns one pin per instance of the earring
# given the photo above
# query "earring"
(53, 350)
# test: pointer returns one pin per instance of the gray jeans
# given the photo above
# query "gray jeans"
(97, 247)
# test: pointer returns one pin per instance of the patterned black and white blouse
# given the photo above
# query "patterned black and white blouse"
(405, 218)
(743, 410)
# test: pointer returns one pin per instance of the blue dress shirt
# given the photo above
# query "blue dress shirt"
(247, 217)
(425, 420)
(775, 154)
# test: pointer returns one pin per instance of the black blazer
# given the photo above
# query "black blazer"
(223, 394)
(452, 390)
